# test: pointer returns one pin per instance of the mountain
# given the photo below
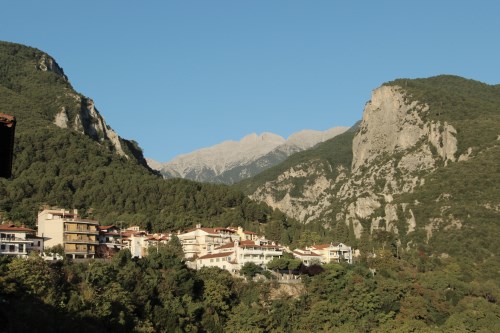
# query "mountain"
(413, 186)
(66, 155)
(232, 161)
(422, 165)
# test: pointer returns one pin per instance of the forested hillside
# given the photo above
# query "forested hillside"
(75, 165)
(425, 217)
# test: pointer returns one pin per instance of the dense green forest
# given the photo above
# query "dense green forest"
(160, 294)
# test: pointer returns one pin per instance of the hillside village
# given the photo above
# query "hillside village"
(226, 248)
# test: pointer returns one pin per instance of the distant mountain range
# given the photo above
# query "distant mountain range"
(232, 161)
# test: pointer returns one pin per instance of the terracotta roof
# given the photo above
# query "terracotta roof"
(11, 227)
(249, 232)
(7, 120)
(127, 233)
(226, 246)
(106, 227)
(311, 254)
(216, 255)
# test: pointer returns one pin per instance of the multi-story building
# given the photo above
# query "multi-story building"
(333, 252)
(223, 260)
(307, 257)
(77, 236)
(201, 241)
(245, 234)
(110, 241)
(236, 254)
(18, 241)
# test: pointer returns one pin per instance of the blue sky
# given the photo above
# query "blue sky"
(176, 76)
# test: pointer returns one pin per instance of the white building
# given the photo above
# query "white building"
(333, 252)
(139, 241)
(201, 241)
(18, 241)
(307, 257)
(236, 254)
(223, 260)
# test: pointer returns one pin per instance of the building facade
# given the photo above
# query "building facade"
(333, 252)
(201, 241)
(78, 237)
(18, 241)
(236, 254)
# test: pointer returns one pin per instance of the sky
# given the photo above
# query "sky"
(176, 76)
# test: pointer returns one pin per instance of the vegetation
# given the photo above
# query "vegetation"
(443, 277)
(470, 106)
(61, 167)
(160, 294)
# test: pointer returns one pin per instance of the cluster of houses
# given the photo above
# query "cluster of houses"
(227, 248)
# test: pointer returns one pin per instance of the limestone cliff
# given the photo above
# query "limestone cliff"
(393, 149)
(86, 119)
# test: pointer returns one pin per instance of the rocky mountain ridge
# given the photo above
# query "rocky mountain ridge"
(231, 161)
(86, 118)
(400, 144)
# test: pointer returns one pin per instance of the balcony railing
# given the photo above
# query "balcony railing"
(80, 231)
(85, 240)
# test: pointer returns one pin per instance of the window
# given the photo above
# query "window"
(2, 247)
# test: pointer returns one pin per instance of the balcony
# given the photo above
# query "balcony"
(80, 240)
(80, 231)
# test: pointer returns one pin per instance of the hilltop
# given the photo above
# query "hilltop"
(67, 156)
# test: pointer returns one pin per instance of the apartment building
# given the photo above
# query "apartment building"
(333, 252)
(18, 241)
(77, 236)
(236, 254)
(200, 241)
(307, 257)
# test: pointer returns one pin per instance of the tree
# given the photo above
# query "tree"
(250, 270)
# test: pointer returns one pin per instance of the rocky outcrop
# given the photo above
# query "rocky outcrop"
(392, 151)
(303, 192)
(46, 63)
(87, 120)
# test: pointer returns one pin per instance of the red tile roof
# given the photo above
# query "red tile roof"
(11, 227)
(216, 255)
(106, 227)
(7, 120)
(226, 246)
